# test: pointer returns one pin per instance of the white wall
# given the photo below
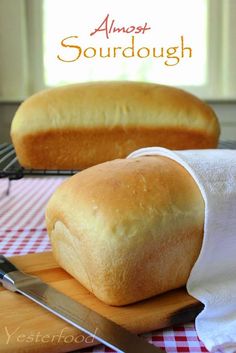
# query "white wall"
(226, 113)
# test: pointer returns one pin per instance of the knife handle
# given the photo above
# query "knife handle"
(5, 267)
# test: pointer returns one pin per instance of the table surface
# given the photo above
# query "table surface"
(23, 231)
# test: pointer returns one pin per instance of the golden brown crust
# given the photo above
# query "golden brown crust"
(128, 229)
(81, 125)
(83, 148)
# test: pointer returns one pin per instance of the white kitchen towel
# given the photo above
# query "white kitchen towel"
(213, 277)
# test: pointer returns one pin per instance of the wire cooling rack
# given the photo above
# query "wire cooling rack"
(10, 167)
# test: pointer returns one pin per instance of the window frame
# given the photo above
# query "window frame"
(219, 53)
(221, 84)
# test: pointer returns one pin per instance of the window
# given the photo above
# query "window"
(31, 47)
(207, 26)
(168, 24)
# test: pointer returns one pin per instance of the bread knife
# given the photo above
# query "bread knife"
(76, 314)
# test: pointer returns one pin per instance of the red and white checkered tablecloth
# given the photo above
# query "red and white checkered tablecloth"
(23, 231)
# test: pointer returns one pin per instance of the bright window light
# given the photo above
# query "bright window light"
(168, 22)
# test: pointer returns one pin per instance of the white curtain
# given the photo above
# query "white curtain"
(13, 50)
(21, 63)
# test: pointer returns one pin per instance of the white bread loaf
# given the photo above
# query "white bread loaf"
(127, 229)
(77, 126)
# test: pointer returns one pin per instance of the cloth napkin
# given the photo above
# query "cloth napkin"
(213, 278)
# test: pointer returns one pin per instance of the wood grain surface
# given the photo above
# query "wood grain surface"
(27, 327)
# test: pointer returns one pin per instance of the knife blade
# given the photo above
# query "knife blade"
(76, 314)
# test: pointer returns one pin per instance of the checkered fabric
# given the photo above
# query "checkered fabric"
(22, 231)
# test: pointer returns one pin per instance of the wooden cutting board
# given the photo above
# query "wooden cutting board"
(26, 327)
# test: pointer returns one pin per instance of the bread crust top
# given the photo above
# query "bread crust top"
(118, 199)
(109, 104)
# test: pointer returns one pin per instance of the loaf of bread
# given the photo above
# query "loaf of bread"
(128, 229)
(77, 126)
